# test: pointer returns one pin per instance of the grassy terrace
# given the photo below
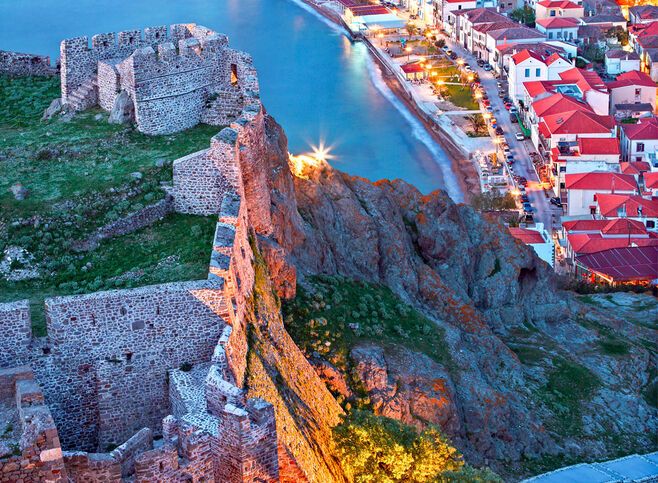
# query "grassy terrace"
(81, 174)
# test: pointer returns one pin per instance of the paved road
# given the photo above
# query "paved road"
(520, 149)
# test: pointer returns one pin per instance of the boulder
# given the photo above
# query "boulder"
(123, 109)
(19, 191)
(55, 107)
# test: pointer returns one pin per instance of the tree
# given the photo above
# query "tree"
(376, 449)
(477, 122)
(619, 33)
(440, 43)
(525, 15)
(411, 29)
(493, 201)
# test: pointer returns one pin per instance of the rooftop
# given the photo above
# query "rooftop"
(645, 12)
(603, 19)
(621, 54)
(585, 243)
(646, 128)
(578, 122)
(600, 180)
(557, 22)
(514, 33)
(526, 235)
(626, 265)
(609, 146)
(633, 205)
(635, 167)
(651, 180)
(558, 4)
(632, 78)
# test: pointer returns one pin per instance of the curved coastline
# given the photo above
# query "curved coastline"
(462, 167)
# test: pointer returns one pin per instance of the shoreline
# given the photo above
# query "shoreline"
(463, 168)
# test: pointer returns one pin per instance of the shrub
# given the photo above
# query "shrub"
(379, 449)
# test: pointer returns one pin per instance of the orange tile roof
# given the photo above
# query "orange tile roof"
(527, 236)
(607, 146)
(554, 57)
(610, 204)
(644, 129)
(600, 180)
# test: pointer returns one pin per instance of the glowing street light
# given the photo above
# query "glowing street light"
(486, 115)
(408, 51)
(460, 62)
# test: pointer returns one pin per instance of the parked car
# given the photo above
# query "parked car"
(445, 48)
(528, 208)
(520, 136)
(499, 85)
(522, 181)
(468, 68)
(524, 198)
(513, 110)
(480, 62)
(449, 52)
(506, 149)
(556, 201)
(508, 105)
(513, 118)
(487, 67)
(499, 131)
(501, 94)
(488, 108)
(452, 55)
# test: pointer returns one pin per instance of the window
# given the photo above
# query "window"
(563, 169)
(550, 35)
(234, 75)
(651, 224)
(562, 186)
(640, 147)
(527, 72)
(552, 13)
(537, 72)
(638, 158)
(638, 91)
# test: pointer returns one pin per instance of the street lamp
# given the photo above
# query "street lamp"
(460, 62)
(408, 51)
(380, 36)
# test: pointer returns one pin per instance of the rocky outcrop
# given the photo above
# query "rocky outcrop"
(123, 110)
(496, 301)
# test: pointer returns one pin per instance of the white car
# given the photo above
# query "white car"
(520, 136)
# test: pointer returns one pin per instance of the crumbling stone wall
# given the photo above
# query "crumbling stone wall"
(17, 64)
(35, 455)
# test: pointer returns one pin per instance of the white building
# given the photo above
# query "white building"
(583, 189)
(538, 238)
(618, 61)
(528, 65)
(639, 142)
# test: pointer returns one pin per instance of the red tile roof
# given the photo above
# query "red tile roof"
(534, 88)
(591, 226)
(584, 243)
(646, 30)
(624, 264)
(554, 57)
(579, 122)
(527, 236)
(634, 167)
(584, 79)
(607, 146)
(651, 180)
(558, 4)
(558, 103)
(543, 130)
(632, 78)
(611, 204)
(644, 129)
(600, 180)
(526, 54)
(515, 33)
(624, 226)
(362, 10)
(558, 22)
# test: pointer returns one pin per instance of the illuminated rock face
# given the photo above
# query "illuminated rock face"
(175, 78)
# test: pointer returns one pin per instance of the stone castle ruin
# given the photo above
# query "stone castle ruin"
(148, 384)
(166, 80)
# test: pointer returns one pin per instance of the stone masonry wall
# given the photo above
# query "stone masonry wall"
(17, 64)
(36, 454)
(16, 333)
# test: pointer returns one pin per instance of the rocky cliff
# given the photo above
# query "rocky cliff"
(538, 374)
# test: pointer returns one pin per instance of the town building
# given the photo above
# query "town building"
(639, 142)
(644, 39)
(643, 210)
(583, 189)
(642, 14)
(504, 52)
(636, 265)
(529, 65)
(562, 28)
(538, 239)
(632, 87)
(618, 61)
(650, 181)
(558, 8)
